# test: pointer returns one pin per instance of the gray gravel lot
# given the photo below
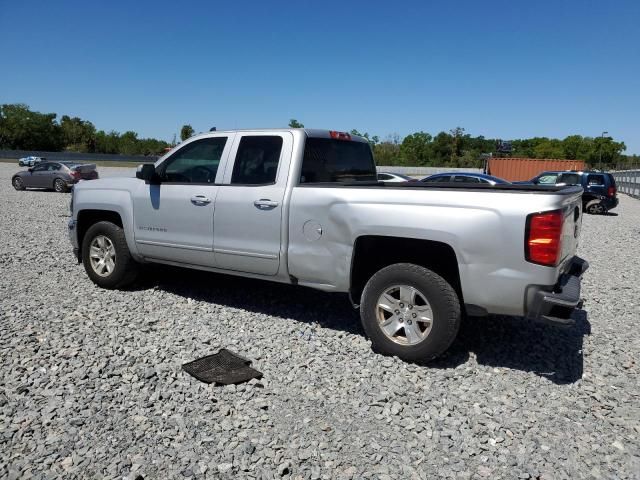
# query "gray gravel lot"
(92, 385)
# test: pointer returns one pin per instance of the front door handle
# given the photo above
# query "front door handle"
(265, 203)
(200, 200)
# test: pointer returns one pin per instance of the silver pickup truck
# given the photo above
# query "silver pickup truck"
(304, 207)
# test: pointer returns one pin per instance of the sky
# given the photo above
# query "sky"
(503, 69)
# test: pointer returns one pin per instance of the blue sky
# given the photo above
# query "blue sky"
(507, 69)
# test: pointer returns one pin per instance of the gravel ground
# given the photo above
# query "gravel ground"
(92, 385)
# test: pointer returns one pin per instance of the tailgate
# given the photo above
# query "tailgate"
(572, 210)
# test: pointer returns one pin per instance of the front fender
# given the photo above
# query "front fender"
(108, 200)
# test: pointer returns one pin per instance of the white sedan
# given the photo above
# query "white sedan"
(29, 161)
(394, 177)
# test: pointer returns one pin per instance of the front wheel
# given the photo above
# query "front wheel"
(106, 257)
(410, 312)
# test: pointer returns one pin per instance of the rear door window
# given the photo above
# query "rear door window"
(465, 179)
(443, 179)
(329, 160)
(257, 160)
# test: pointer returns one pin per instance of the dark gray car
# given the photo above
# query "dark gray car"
(59, 176)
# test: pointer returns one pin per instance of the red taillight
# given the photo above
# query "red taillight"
(339, 135)
(543, 243)
(611, 192)
(75, 174)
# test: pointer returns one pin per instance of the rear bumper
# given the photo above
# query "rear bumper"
(610, 202)
(556, 306)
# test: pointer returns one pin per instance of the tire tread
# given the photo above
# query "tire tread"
(448, 297)
(127, 268)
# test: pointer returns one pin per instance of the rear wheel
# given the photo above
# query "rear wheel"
(106, 257)
(410, 312)
(59, 185)
(17, 183)
(596, 208)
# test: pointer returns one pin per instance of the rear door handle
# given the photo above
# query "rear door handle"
(200, 200)
(265, 203)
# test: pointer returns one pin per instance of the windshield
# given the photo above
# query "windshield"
(329, 160)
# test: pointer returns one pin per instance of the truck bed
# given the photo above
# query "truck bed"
(516, 188)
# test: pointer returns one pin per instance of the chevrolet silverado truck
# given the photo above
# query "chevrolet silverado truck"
(305, 207)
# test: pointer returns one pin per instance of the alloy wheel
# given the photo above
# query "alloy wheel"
(102, 254)
(404, 314)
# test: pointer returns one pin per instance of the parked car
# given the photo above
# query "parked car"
(30, 161)
(395, 177)
(463, 177)
(599, 188)
(304, 207)
(59, 176)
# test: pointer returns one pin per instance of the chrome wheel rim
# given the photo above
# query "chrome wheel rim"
(404, 315)
(597, 208)
(57, 185)
(102, 255)
(17, 183)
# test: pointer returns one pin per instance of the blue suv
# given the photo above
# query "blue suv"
(600, 193)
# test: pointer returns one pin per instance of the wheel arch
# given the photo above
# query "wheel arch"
(372, 253)
(89, 217)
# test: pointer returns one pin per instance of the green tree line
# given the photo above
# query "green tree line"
(456, 148)
(459, 149)
(24, 129)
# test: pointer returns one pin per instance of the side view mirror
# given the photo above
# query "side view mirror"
(147, 172)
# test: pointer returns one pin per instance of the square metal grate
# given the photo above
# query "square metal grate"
(224, 367)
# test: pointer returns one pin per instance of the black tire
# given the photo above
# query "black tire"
(59, 185)
(126, 268)
(17, 183)
(595, 207)
(441, 297)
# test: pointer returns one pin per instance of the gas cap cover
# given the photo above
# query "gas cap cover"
(312, 230)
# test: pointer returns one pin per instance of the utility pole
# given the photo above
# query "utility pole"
(600, 161)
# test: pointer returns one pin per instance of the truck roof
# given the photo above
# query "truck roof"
(310, 132)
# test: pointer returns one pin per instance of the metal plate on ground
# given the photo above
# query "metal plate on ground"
(224, 367)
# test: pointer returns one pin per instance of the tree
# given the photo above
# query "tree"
(293, 123)
(605, 151)
(186, 132)
(387, 153)
(78, 135)
(415, 149)
(23, 129)
(548, 148)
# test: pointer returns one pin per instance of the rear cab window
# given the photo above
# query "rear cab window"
(328, 160)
